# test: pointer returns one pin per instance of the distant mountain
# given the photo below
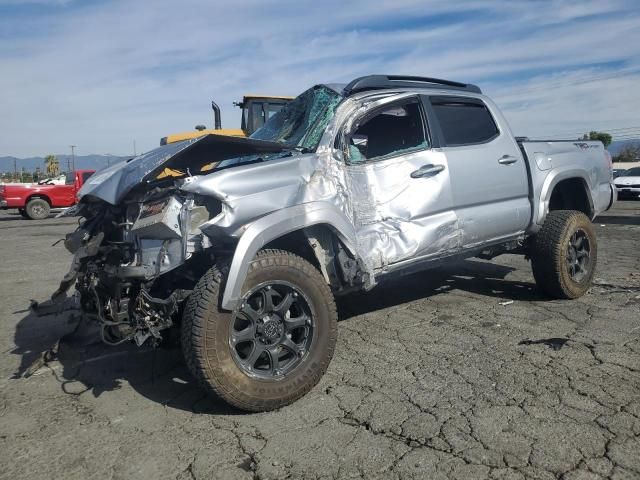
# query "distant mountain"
(97, 162)
(82, 162)
(618, 145)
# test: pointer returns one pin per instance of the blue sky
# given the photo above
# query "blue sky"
(100, 74)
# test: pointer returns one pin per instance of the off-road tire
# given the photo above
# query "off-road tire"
(205, 334)
(549, 251)
(37, 209)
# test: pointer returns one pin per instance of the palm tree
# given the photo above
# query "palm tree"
(52, 165)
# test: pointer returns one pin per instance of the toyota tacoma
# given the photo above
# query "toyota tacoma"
(241, 244)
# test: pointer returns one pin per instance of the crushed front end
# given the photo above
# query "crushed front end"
(138, 250)
(135, 263)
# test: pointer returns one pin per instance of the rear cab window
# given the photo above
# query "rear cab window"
(463, 121)
(85, 176)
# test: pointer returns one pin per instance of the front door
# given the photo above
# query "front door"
(400, 189)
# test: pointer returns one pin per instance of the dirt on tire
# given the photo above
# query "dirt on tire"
(205, 335)
(549, 250)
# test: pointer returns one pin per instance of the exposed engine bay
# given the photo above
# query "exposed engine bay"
(132, 267)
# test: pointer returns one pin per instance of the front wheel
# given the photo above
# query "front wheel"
(275, 347)
(564, 254)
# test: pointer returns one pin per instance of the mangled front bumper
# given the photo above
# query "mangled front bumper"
(119, 253)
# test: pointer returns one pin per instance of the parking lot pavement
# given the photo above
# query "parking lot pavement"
(462, 372)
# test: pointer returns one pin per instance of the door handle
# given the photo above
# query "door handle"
(428, 170)
(507, 160)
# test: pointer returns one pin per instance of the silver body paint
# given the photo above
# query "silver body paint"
(388, 217)
(330, 179)
(384, 217)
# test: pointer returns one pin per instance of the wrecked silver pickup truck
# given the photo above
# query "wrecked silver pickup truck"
(243, 243)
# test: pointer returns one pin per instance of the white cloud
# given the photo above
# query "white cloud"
(101, 75)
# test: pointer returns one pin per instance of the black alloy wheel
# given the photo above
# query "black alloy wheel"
(578, 255)
(273, 331)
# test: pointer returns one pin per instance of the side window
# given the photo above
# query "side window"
(257, 115)
(393, 130)
(464, 121)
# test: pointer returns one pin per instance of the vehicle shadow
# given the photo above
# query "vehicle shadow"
(83, 365)
(8, 216)
(472, 276)
(12, 216)
(619, 220)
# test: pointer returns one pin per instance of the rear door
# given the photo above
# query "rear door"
(489, 179)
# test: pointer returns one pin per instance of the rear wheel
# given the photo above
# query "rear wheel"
(564, 254)
(278, 343)
(37, 209)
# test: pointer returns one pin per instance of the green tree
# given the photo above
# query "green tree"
(52, 165)
(605, 138)
(25, 177)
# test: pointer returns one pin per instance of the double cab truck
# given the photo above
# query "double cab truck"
(35, 201)
(241, 244)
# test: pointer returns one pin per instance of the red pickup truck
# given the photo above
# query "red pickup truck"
(36, 201)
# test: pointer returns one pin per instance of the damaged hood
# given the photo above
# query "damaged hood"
(113, 183)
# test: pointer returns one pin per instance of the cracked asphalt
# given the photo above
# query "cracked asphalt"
(458, 373)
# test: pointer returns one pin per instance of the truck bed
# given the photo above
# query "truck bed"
(551, 161)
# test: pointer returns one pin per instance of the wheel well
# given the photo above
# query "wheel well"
(295, 242)
(571, 194)
(37, 195)
(320, 245)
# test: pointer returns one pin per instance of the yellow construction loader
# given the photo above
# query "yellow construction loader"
(256, 109)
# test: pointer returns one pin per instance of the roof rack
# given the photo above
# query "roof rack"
(381, 82)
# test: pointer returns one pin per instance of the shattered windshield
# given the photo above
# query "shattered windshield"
(301, 122)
